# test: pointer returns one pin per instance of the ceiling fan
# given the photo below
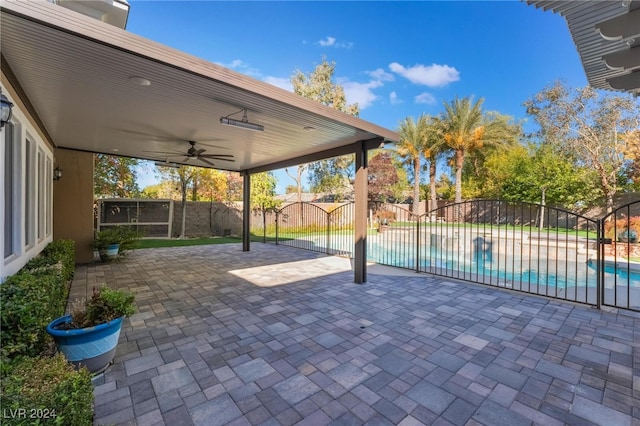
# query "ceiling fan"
(193, 152)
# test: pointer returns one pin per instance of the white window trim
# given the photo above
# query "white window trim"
(41, 195)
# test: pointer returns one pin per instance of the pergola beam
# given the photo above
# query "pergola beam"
(322, 155)
(621, 27)
(360, 149)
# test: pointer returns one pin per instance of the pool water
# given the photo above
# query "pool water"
(483, 266)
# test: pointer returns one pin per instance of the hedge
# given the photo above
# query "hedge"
(46, 391)
(62, 251)
(33, 297)
(37, 388)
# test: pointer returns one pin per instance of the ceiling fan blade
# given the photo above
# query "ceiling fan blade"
(204, 160)
(216, 158)
(216, 155)
(169, 156)
(164, 152)
(200, 151)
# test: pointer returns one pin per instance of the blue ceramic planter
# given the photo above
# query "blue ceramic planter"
(628, 236)
(92, 347)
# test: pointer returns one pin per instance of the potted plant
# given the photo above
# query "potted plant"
(89, 335)
(129, 237)
(107, 242)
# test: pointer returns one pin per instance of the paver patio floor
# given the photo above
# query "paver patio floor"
(283, 336)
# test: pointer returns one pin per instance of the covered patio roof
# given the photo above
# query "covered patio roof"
(97, 88)
(607, 36)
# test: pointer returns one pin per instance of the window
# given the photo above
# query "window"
(27, 199)
(41, 189)
(10, 152)
(48, 178)
(29, 191)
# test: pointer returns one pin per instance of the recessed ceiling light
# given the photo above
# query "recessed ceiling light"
(115, 150)
(140, 81)
(309, 128)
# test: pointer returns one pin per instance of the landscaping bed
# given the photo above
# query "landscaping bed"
(37, 385)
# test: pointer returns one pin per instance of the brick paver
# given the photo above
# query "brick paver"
(283, 336)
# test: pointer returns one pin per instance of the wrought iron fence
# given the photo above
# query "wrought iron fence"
(311, 227)
(519, 246)
(523, 247)
(619, 269)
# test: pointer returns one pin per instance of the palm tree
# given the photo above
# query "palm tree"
(465, 129)
(413, 139)
(432, 150)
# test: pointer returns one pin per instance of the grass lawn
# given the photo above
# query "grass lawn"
(156, 243)
(174, 242)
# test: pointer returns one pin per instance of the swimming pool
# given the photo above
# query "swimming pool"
(519, 270)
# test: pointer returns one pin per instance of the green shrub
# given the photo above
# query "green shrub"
(46, 387)
(105, 305)
(33, 297)
(125, 236)
(28, 302)
(129, 236)
(63, 251)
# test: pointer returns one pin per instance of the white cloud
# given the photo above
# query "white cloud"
(281, 82)
(362, 93)
(393, 98)
(355, 92)
(425, 98)
(242, 67)
(381, 75)
(329, 41)
(333, 42)
(432, 75)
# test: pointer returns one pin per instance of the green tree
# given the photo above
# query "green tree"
(536, 174)
(331, 175)
(589, 128)
(263, 191)
(298, 179)
(319, 86)
(291, 189)
(234, 188)
(182, 178)
(433, 150)
(446, 188)
(153, 191)
(465, 128)
(209, 185)
(413, 142)
(632, 154)
(115, 177)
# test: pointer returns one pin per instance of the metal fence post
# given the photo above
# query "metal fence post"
(418, 244)
(599, 262)
(328, 232)
(277, 221)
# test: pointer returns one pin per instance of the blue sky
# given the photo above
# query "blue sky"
(396, 59)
